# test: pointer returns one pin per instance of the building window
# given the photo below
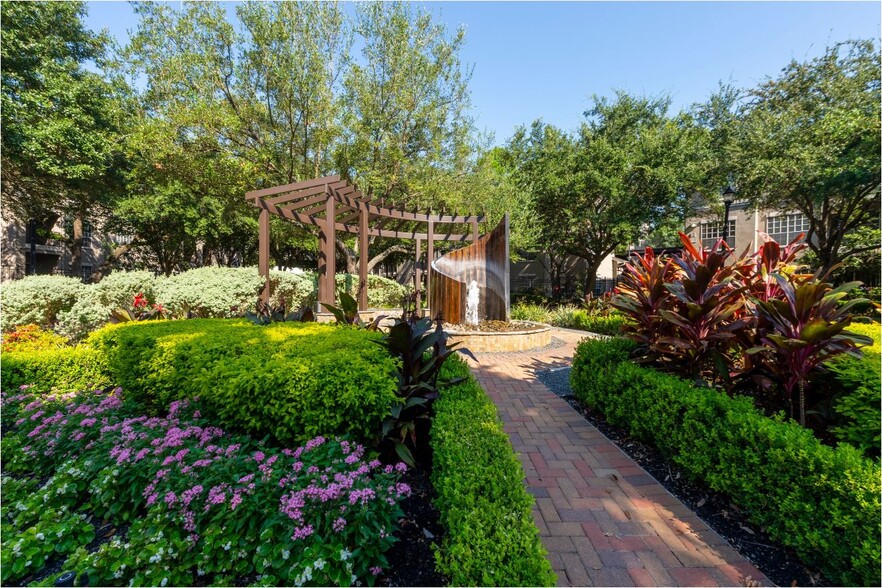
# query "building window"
(87, 234)
(786, 227)
(87, 272)
(713, 232)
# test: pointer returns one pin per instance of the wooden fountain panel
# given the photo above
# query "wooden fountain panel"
(486, 262)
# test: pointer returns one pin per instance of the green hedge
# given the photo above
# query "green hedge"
(293, 381)
(491, 538)
(823, 502)
(67, 369)
(858, 393)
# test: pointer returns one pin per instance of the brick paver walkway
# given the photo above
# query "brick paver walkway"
(602, 518)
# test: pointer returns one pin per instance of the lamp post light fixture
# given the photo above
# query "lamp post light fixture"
(728, 196)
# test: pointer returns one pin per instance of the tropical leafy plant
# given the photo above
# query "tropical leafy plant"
(347, 313)
(641, 294)
(265, 314)
(706, 310)
(422, 352)
(139, 311)
(807, 330)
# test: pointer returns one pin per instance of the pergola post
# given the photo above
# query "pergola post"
(362, 259)
(328, 238)
(263, 253)
(430, 257)
(418, 279)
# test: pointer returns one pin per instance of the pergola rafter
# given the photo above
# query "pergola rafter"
(333, 205)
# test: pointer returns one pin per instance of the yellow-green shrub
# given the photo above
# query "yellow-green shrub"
(293, 381)
(66, 369)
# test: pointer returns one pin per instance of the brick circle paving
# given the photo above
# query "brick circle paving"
(602, 518)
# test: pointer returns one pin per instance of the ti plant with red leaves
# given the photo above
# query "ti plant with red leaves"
(707, 309)
(641, 294)
(807, 330)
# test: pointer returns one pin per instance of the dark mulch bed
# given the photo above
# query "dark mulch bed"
(780, 564)
(411, 558)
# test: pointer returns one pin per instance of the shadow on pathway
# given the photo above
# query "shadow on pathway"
(602, 518)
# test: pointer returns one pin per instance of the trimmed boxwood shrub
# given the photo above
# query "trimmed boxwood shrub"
(822, 501)
(293, 381)
(491, 538)
(68, 369)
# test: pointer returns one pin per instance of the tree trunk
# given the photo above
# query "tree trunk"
(105, 267)
(591, 274)
(76, 246)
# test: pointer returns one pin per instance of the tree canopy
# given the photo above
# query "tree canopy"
(621, 176)
(808, 140)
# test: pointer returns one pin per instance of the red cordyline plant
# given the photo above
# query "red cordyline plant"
(641, 294)
(707, 309)
(807, 329)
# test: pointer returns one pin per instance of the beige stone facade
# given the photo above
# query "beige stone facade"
(745, 225)
(53, 256)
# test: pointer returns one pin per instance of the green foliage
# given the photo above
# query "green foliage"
(808, 140)
(210, 292)
(421, 352)
(620, 176)
(382, 292)
(491, 539)
(347, 313)
(858, 405)
(64, 370)
(86, 315)
(290, 380)
(60, 123)
(31, 338)
(571, 317)
(267, 314)
(38, 299)
(776, 470)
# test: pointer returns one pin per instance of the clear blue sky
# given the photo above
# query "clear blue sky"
(545, 59)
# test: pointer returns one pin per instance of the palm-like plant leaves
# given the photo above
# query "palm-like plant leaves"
(807, 329)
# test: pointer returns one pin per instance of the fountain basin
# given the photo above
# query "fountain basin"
(523, 336)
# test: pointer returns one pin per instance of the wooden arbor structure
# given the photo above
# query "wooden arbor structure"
(333, 205)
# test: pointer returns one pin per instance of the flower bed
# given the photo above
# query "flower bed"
(201, 502)
(823, 502)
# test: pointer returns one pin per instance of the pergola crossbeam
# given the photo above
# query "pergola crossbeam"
(333, 205)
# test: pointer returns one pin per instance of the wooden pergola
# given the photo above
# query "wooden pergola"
(333, 205)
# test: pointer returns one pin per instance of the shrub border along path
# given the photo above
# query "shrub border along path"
(602, 518)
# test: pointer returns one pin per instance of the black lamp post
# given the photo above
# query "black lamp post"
(728, 195)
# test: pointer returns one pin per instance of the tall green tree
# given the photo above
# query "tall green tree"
(406, 105)
(60, 121)
(621, 176)
(810, 142)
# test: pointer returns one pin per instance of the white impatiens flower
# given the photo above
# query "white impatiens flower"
(40, 536)
(28, 564)
(285, 554)
(345, 554)
(319, 564)
(228, 545)
(164, 582)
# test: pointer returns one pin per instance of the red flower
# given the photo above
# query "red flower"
(140, 301)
